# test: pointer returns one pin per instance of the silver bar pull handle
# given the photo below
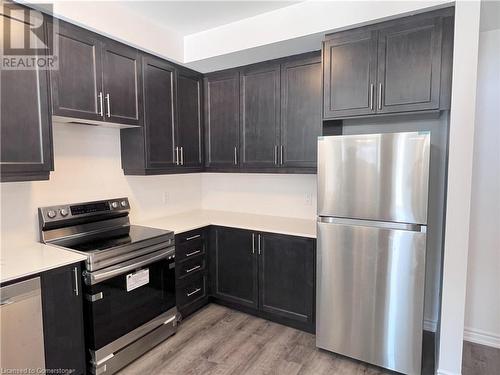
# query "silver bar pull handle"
(101, 104)
(276, 154)
(193, 237)
(258, 243)
(75, 273)
(379, 96)
(176, 155)
(235, 155)
(108, 104)
(193, 292)
(253, 243)
(372, 93)
(281, 154)
(193, 253)
(193, 269)
(182, 155)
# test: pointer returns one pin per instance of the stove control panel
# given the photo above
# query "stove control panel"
(68, 211)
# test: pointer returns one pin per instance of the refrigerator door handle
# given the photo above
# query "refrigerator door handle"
(373, 223)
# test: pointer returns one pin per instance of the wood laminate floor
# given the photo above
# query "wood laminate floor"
(218, 340)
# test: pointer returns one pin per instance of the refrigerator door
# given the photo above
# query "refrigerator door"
(370, 294)
(374, 176)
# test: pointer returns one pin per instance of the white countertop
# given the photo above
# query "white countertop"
(190, 220)
(25, 260)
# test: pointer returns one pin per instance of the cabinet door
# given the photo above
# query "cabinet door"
(260, 116)
(121, 82)
(77, 83)
(235, 277)
(25, 131)
(349, 74)
(189, 128)
(159, 104)
(300, 112)
(222, 111)
(287, 277)
(63, 319)
(409, 66)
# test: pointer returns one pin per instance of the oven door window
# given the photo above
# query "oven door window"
(120, 312)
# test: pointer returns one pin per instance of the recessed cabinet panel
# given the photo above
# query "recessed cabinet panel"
(350, 69)
(300, 112)
(260, 116)
(77, 83)
(222, 111)
(121, 84)
(159, 112)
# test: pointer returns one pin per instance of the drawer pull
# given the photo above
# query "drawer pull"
(193, 237)
(193, 292)
(193, 269)
(193, 253)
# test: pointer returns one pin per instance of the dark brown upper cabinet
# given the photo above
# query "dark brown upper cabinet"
(189, 119)
(222, 120)
(26, 128)
(260, 115)
(393, 67)
(300, 112)
(98, 80)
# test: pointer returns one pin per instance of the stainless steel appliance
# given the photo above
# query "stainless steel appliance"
(129, 280)
(21, 326)
(372, 215)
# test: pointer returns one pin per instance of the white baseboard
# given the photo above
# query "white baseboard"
(430, 325)
(446, 372)
(481, 337)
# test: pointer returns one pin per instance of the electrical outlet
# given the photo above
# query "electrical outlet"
(308, 197)
(166, 198)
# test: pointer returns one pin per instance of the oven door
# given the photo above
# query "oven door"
(124, 297)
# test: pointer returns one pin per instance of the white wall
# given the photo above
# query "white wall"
(482, 313)
(87, 167)
(269, 194)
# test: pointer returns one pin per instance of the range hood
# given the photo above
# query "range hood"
(107, 124)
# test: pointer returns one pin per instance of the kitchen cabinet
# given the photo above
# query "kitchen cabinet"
(260, 115)
(63, 319)
(270, 275)
(97, 81)
(397, 66)
(26, 152)
(222, 116)
(189, 118)
(234, 266)
(300, 112)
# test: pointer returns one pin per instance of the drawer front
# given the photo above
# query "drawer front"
(192, 291)
(190, 249)
(191, 266)
(192, 235)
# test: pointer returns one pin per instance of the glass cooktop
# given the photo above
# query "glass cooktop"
(123, 236)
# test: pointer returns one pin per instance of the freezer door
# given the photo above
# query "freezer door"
(370, 294)
(374, 176)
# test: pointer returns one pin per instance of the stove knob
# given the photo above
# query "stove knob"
(114, 204)
(51, 214)
(64, 212)
(123, 203)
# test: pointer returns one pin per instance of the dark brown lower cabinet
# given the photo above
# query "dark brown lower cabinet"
(63, 319)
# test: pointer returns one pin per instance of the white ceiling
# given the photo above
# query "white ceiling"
(189, 17)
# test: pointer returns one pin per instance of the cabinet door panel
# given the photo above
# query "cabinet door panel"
(350, 68)
(287, 277)
(300, 112)
(235, 278)
(189, 126)
(222, 111)
(260, 116)
(409, 72)
(63, 319)
(25, 132)
(77, 82)
(121, 79)
(159, 106)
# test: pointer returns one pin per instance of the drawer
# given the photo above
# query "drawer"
(193, 290)
(190, 249)
(189, 236)
(190, 267)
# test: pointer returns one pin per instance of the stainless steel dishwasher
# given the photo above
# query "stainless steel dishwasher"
(21, 326)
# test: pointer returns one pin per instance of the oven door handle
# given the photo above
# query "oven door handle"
(92, 278)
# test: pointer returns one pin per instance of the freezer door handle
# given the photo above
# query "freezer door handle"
(373, 223)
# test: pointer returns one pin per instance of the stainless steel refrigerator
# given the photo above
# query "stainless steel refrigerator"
(372, 217)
